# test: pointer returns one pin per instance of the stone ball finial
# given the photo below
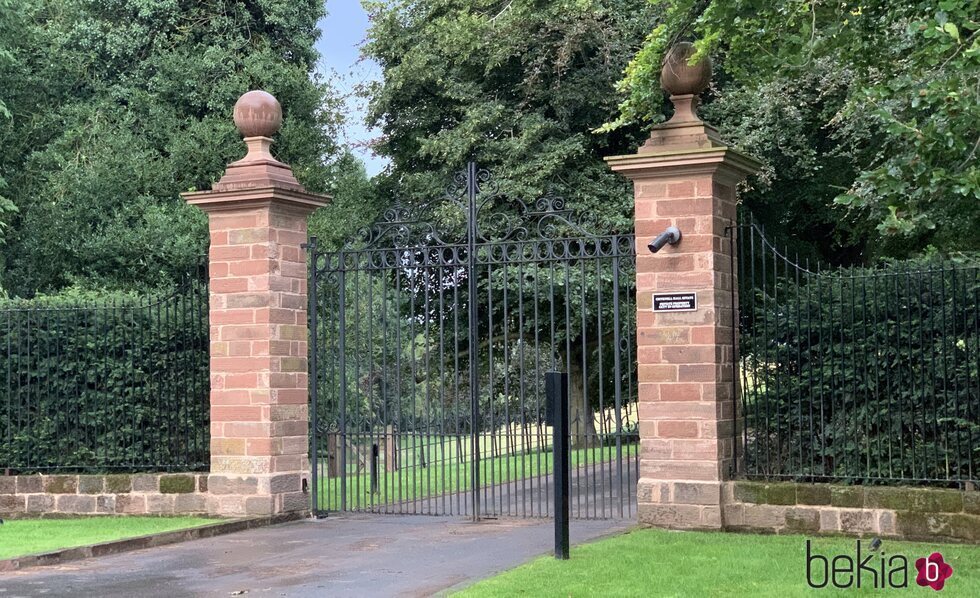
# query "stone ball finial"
(679, 78)
(258, 114)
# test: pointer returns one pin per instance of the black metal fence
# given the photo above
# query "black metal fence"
(863, 375)
(107, 384)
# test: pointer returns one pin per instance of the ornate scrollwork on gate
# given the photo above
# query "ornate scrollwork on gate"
(473, 205)
(498, 218)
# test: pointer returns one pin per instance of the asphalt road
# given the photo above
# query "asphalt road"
(352, 555)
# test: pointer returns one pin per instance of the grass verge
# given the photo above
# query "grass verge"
(662, 563)
(21, 537)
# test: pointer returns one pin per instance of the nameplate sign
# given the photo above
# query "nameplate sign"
(683, 301)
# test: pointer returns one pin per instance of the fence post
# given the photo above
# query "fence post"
(258, 283)
(684, 177)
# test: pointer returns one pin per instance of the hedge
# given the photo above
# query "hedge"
(864, 374)
(113, 383)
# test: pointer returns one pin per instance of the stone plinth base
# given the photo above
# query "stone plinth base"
(679, 504)
(257, 494)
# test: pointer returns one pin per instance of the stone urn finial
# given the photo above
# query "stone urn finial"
(258, 117)
(258, 114)
(683, 81)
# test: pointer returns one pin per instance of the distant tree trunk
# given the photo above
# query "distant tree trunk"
(582, 424)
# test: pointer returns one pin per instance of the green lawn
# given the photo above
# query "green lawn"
(451, 475)
(661, 563)
(20, 537)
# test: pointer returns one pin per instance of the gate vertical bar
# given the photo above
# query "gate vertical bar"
(314, 415)
(471, 192)
(732, 231)
(342, 366)
(618, 376)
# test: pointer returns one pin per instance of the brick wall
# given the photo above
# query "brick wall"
(113, 494)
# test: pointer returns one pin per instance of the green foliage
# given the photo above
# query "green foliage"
(863, 374)
(909, 78)
(118, 106)
(354, 205)
(518, 86)
(9, 13)
(806, 164)
(105, 382)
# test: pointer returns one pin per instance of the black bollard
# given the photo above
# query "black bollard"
(556, 392)
(375, 454)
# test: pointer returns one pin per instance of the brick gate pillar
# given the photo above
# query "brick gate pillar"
(257, 218)
(685, 177)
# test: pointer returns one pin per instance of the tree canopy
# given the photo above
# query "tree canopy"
(890, 89)
(517, 86)
(117, 106)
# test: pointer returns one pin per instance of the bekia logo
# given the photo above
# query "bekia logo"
(933, 571)
(871, 567)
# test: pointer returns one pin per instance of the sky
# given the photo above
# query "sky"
(343, 31)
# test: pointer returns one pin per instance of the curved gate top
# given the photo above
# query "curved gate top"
(430, 337)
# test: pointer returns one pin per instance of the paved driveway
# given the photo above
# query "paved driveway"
(352, 555)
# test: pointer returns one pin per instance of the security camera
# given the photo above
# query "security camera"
(672, 235)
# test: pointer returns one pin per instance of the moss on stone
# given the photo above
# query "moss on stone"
(90, 484)
(118, 484)
(922, 500)
(782, 493)
(813, 494)
(966, 527)
(803, 520)
(750, 492)
(851, 497)
(177, 484)
(971, 503)
(924, 526)
(61, 484)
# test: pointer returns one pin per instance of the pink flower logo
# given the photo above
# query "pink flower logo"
(933, 571)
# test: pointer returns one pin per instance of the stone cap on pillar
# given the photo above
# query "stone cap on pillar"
(685, 143)
(258, 178)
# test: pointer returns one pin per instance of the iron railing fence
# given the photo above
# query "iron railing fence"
(858, 375)
(117, 383)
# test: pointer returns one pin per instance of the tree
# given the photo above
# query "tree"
(909, 78)
(9, 21)
(117, 106)
(354, 205)
(518, 86)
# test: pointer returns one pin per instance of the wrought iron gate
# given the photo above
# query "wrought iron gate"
(430, 339)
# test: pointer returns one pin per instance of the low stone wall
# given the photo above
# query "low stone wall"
(112, 494)
(897, 512)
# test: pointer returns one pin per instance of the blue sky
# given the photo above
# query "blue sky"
(344, 30)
